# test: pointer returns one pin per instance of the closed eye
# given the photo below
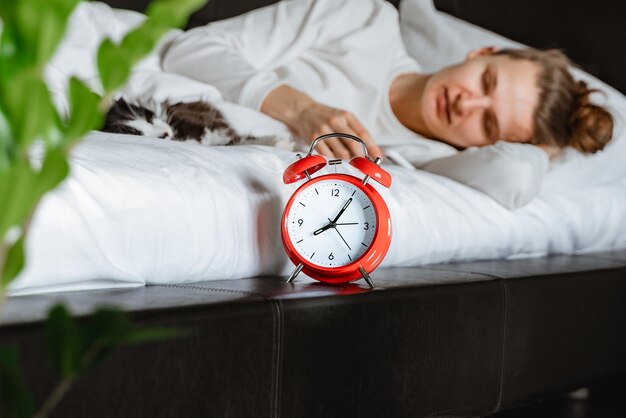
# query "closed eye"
(490, 121)
(489, 80)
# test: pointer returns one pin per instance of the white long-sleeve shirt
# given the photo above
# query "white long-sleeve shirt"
(344, 54)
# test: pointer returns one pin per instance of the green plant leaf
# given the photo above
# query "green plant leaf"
(15, 399)
(142, 39)
(5, 186)
(108, 323)
(114, 65)
(20, 189)
(7, 8)
(7, 150)
(172, 13)
(41, 24)
(84, 110)
(76, 347)
(108, 328)
(116, 61)
(28, 107)
(9, 56)
(54, 169)
(100, 333)
(14, 262)
(144, 335)
(63, 341)
(17, 195)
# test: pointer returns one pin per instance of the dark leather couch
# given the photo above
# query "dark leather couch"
(462, 339)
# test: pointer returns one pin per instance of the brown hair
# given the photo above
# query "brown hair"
(564, 116)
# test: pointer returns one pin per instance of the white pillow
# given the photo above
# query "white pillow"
(436, 39)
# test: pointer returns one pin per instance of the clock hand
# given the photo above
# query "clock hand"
(343, 238)
(348, 223)
(343, 209)
(334, 221)
(322, 229)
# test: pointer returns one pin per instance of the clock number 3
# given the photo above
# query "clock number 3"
(367, 226)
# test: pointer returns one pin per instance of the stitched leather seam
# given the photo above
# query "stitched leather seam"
(277, 357)
(274, 364)
(505, 299)
(277, 340)
(603, 257)
(460, 271)
(214, 289)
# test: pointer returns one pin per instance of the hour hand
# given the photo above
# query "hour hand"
(322, 229)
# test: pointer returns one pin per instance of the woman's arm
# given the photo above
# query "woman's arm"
(254, 60)
(244, 56)
(309, 119)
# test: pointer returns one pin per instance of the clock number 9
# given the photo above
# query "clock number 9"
(300, 222)
(331, 256)
(335, 192)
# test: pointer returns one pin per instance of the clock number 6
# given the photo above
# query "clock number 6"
(331, 256)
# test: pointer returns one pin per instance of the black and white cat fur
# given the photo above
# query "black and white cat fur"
(194, 121)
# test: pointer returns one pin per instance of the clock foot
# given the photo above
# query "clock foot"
(367, 277)
(294, 273)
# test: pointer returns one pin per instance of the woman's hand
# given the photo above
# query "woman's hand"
(309, 119)
(317, 119)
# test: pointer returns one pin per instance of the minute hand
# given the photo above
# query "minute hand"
(343, 209)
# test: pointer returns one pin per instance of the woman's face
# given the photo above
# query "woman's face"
(482, 100)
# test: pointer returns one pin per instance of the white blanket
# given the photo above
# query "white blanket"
(138, 211)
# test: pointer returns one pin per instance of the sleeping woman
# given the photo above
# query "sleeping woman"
(492, 121)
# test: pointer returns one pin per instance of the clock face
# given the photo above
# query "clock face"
(331, 223)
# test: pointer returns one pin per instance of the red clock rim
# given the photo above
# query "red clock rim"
(348, 272)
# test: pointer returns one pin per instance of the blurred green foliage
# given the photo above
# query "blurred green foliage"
(31, 32)
(74, 346)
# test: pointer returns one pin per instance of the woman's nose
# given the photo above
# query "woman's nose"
(467, 104)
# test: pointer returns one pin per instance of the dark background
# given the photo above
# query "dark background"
(591, 32)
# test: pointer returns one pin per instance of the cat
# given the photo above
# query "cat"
(194, 121)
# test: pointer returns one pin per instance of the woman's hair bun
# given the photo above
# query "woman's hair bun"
(591, 125)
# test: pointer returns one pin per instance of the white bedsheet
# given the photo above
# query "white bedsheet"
(138, 211)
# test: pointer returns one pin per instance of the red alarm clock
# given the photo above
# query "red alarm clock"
(336, 228)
